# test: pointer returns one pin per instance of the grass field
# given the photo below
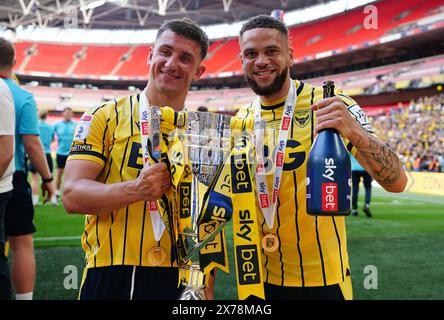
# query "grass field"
(404, 241)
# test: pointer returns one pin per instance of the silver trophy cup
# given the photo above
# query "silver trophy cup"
(198, 144)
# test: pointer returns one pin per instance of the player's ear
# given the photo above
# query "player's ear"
(199, 72)
(150, 56)
(241, 56)
(290, 55)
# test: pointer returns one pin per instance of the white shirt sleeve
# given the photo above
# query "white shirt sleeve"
(7, 113)
(7, 128)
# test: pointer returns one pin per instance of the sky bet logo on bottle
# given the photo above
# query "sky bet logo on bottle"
(329, 189)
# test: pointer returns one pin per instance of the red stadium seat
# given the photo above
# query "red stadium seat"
(337, 32)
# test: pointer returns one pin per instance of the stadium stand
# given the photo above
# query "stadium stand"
(335, 34)
(411, 74)
(416, 132)
(340, 33)
(108, 56)
(131, 67)
(52, 58)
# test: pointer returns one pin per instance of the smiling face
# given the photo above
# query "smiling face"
(174, 64)
(266, 58)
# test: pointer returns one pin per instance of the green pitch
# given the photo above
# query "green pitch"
(403, 243)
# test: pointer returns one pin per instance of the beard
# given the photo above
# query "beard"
(274, 87)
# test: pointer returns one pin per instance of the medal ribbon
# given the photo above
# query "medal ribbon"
(144, 126)
(268, 207)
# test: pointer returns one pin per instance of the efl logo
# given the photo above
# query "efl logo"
(279, 159)
(145, 128)
(330, 196)
(264, 201)
(285, 123)
(86, 118)
(153, 206)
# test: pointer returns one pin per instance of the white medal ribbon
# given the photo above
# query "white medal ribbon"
(144, 126)
(268, 207)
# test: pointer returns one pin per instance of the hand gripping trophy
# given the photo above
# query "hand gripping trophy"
(200, 150)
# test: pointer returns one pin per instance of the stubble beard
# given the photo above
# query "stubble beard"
(274, 87)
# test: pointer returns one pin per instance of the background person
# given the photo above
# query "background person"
(359, 172)
(19, 224)
(64, 129)
(46, 137)
(7, 128)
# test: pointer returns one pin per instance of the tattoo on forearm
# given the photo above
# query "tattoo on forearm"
(387, 165)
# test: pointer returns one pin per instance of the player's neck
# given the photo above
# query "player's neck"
(156, 98)
(283, 92)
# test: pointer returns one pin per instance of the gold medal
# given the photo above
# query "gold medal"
(157, 255)
(270, 243)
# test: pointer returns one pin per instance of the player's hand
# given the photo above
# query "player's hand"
(47, 191)
(332, 113)
(153, 181)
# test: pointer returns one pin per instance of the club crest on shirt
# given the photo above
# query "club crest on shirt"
(302, 117)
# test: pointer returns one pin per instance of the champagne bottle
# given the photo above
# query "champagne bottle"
(328, 172)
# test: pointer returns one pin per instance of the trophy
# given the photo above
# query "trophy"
(196, 145)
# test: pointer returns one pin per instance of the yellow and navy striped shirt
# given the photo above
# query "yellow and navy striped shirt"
(312, 250)
(110, 137)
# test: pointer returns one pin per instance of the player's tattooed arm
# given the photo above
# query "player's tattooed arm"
(382, 162)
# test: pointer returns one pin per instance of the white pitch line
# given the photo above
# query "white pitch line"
(57, 238)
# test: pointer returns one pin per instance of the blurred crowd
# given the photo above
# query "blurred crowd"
(416, 132)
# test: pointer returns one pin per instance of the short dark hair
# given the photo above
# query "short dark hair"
(264, 21)
(43, 114)
(189, 29)
(7, 54)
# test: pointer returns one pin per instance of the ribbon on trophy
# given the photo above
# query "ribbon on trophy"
(217, 211)
(213, 253)
(230, 194)
(247, 251)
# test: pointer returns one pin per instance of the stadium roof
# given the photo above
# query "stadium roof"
(136, 14)
(134, 21)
